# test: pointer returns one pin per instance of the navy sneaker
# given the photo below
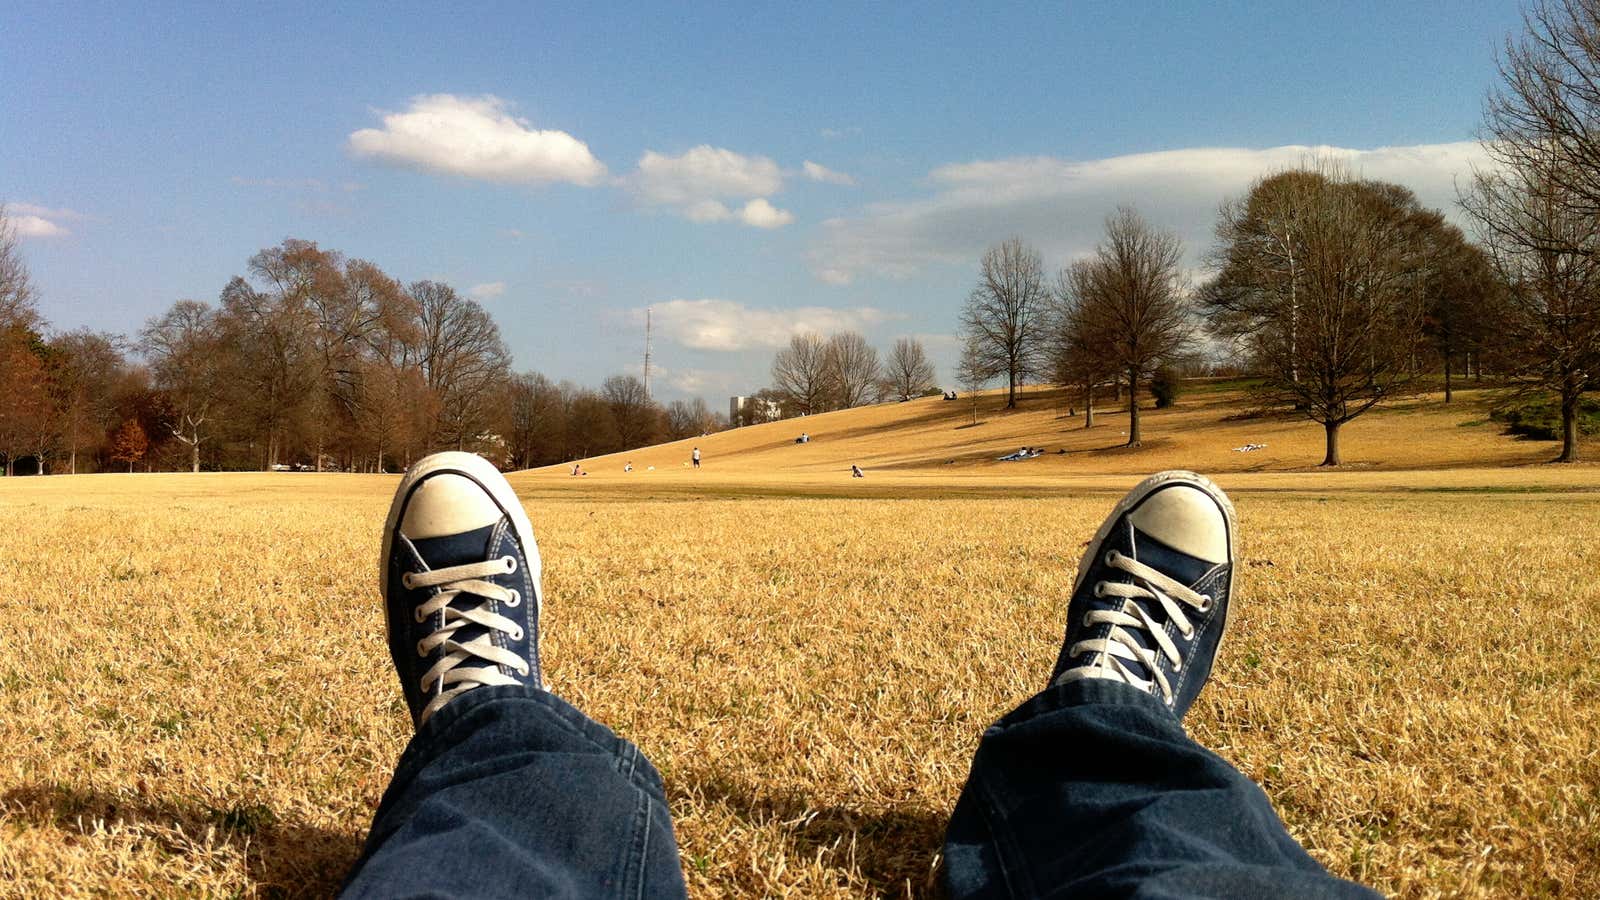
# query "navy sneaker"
(460, 581)
(1151, 600)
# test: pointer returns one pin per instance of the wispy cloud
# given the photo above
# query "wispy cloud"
(36, 221)
(710, 324)
(486, 291)
(819, 172)
(476, 137)
(834, 134)
(1060, 204)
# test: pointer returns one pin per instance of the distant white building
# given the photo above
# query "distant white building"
(745, 410)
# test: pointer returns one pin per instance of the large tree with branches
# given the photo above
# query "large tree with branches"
(1003, 324)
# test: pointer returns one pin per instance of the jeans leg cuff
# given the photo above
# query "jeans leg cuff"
(1085, 692)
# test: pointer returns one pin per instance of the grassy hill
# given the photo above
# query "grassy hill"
(930, 440)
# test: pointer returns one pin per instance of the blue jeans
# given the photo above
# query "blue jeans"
(1091, 789)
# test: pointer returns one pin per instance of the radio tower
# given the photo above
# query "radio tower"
(647, 353)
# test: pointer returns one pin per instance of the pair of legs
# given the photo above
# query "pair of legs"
(1089, 788)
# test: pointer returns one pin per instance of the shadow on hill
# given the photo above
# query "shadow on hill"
(283, 858)
(893, 850)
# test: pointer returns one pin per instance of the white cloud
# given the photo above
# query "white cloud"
(758, 213)
(476, 137)
(705, 172)
(487, 290)
(699, 184)
(727, 325)
(33, 220)
(1060, 204)
(819, 172)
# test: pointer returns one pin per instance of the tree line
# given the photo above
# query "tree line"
(1336, 292)
(813, 374)
(309, 360)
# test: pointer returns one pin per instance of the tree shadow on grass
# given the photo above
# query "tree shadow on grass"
(283, 858)
(894, 850)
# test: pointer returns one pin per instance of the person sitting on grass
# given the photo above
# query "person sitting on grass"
(855, 471)
(1089, 788)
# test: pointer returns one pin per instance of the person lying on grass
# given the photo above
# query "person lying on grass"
(1089, 788)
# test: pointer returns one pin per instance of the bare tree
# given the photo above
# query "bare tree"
(1320, 281)
(1537, 210)
(853, 374)
(1462, 296)
(908, 372)
(1548, 253)
(17, 298)
(85, 369)
(1078, 357)
(800, 374)
(462, 358)
(1003, 328)
(635, 416)
(689, 418)
(1129, 304)
(1541, 119)
(186, 348)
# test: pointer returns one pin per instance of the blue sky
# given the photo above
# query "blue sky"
(575, 165)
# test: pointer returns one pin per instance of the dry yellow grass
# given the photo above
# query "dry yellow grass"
(195, 697)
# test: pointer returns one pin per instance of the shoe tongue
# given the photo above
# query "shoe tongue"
(455, 549)
(1180, 567)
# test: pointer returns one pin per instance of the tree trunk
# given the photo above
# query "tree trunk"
(1447, 393)
(1088, 407)
(194, 458)
(130, 467)
(1011, 390)
(1133, 408)
(72, 464)
(1332, 458)
(1569, 424)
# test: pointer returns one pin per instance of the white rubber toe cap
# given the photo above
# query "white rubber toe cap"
(1187, 519)
(447, 504)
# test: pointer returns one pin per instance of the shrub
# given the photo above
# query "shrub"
(1540, 417)
(1164, 387)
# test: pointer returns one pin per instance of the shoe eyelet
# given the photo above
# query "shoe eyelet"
(419, 616)
(1206, 603)
(515, 601)
(1099, 589)
(1086, 622)
(405, 580)
(420, 650)
(1111, 557)
(525, 670)
(1188, 635)
(517, 635)
(510, 562)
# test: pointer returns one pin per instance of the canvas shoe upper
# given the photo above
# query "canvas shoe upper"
(1151, 598)
(460, 581)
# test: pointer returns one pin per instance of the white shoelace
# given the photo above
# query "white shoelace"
(446, 679)
(1119, 644)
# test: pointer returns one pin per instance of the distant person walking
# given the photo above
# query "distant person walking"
(696, 456)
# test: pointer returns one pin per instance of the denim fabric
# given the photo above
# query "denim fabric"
(1092, 789)
(511, 792)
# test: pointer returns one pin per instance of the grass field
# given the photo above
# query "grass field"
(195, 697)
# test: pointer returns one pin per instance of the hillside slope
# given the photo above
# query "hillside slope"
(932, 436)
